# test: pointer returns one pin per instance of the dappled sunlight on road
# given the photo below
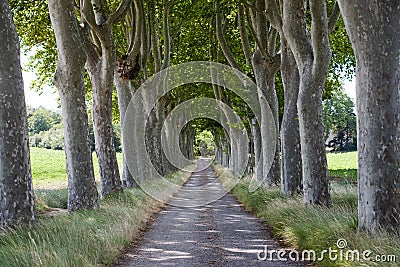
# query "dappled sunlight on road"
(220, 233)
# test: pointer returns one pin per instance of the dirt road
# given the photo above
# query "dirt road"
(220, 233)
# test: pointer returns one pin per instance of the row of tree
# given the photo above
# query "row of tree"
(284, 46)
(294, 37)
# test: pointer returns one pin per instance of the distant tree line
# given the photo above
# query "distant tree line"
(340, 122)
(46, 130)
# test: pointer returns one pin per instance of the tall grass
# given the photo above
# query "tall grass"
(316, 228)
(85, 238)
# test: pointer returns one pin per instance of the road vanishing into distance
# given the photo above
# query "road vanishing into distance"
(220, 233)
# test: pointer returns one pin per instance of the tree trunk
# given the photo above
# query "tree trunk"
(191, 134)
(265, 79)
(136, 161)
(165, 110)
(222, 149)
(69, 79)
(153, 142)
(290, 133)
(101, 72)
(218, 147)
(312, 54)
(376, 45)
(251, 165)
(124, 91)
(16, 193)
(258, 155)
(101, 62)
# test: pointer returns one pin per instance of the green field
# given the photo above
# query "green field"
(48, 168)
(343, 165)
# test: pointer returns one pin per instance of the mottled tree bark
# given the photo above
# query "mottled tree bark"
(312, 54)
(101, 76)
(218, 147)
(264, 73)
(124, 91)
(69, 79)
(290, 133)
(266, 64)
(101, 61)
(16, 193)
(127, 70)
(153, 137)
(376, 43)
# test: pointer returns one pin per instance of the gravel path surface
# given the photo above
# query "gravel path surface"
(221, 233)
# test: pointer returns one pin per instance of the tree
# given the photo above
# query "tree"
(340, 121)
(128, 67)
(290, 131)
(51, 139)
(69, 79)
(42, 119)
(373, 29)
(99, 45)
(204, 144)
(16, 193)
(342, 58)
(312, 53)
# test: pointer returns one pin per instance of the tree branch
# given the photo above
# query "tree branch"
(221, 39)
(333, 19)
(167, 38)
(272, 13)
(88, 17)
(92, 56)
(295, 31)
(179, 27)
(145, 41)
(272, 36)
(250, 22)
(138, 32)
(119, 12)
(96, 43)
(243, 35)
(130, 21)
(154, 38)
(319, 34)
(261, 25)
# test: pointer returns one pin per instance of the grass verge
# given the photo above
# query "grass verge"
(316, 228)
(85, 238)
